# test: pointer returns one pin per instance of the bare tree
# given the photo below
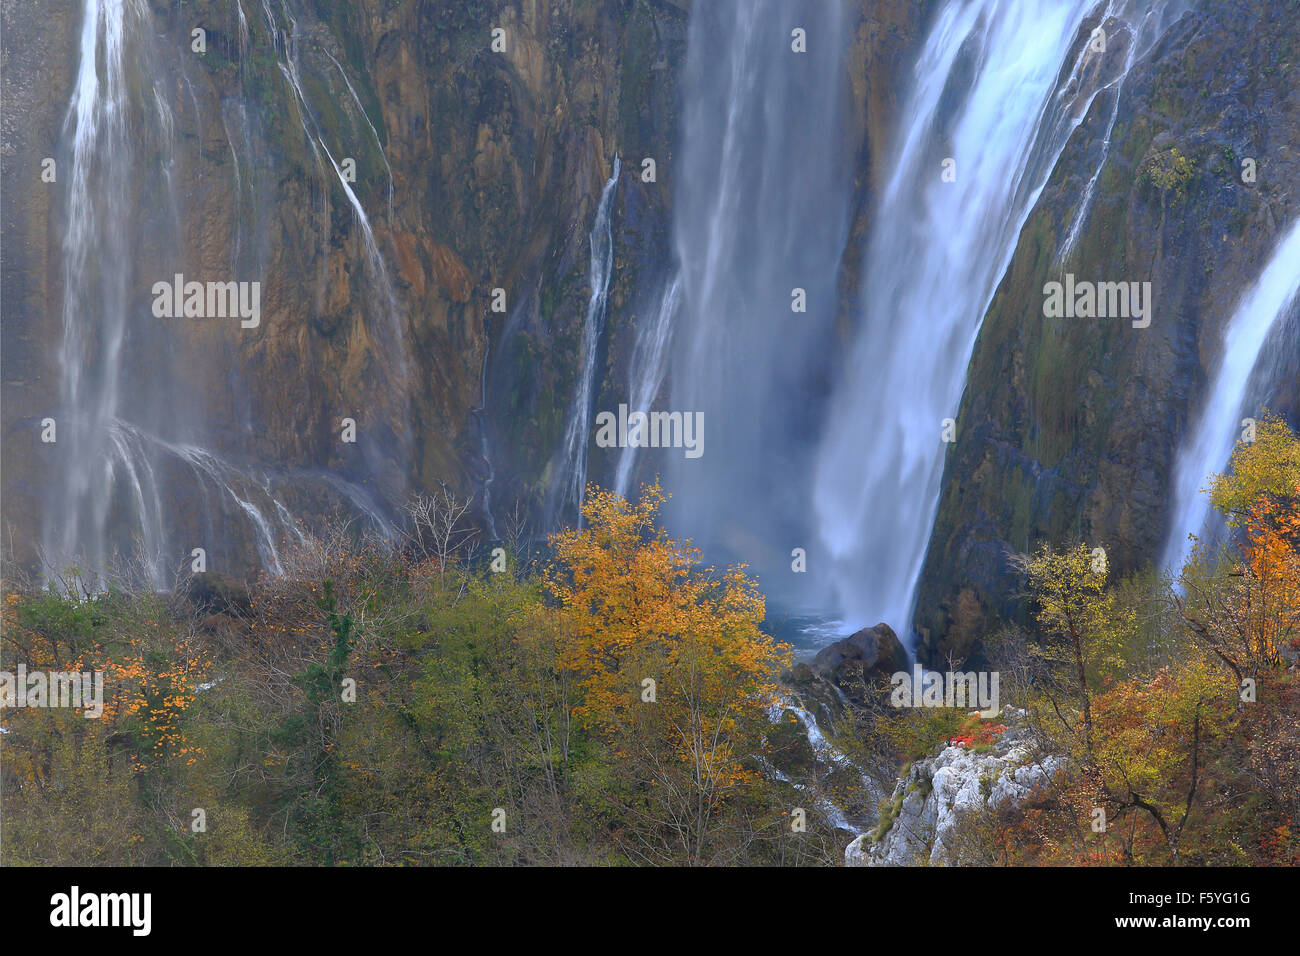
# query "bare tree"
(439, 530)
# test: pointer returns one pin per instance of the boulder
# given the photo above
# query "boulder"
(864, 655)
(799, 673)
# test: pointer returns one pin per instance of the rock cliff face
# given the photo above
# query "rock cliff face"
(480, 169)
(1069, 427)
(476, 169)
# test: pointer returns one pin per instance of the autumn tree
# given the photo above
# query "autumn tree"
(1266, 467)
(1134, 745)
(675, 671)
(1082, 631)
(1242, 602)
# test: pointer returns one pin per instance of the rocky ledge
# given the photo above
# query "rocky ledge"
(936, 798)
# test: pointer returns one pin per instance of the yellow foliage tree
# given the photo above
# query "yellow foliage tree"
(1133, 744)
(1246, 616)
(668, 653)
(1084, 629)
(1268, 466)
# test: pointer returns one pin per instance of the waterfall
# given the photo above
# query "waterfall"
(135, 483)
(826, 754)
(1209, 444)
(373, 132)
(572, 481)
(763, 193)
(649, 365)
(485, 451)
(395, 343)
(999, 88)
(1133, 46)
(96, 267)
(390, 376)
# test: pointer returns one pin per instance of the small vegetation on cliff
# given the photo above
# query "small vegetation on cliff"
(1167, 174)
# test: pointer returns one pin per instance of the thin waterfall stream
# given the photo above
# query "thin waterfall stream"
(1209, 444)
(137, 482)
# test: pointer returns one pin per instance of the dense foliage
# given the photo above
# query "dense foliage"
(411, 705)
(431, 702)
(1175, 701)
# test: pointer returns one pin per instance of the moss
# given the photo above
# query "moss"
(889, 810)
(1167, 174)
(987, 780)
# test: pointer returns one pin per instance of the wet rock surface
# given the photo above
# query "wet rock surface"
(1069, 427)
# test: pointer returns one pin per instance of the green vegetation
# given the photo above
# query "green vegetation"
(432, 704)
(412, 706)
(1167, 173)
(1173, 704)
(918, 732)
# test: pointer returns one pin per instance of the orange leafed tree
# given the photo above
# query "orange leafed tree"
(1248, 615)
(1270, 611)
(674, 668)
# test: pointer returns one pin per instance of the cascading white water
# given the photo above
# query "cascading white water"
(485, 450)
(134, 484)
(390, 377)
(999, 88)
(1136, 42)
(395, 342)
(826, 753)
(1209, 444)
(572, 477)
(649, 365)
(762, 196)
(95, 303)
(352, 90)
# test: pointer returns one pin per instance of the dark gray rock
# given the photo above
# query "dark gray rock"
(862, 657)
